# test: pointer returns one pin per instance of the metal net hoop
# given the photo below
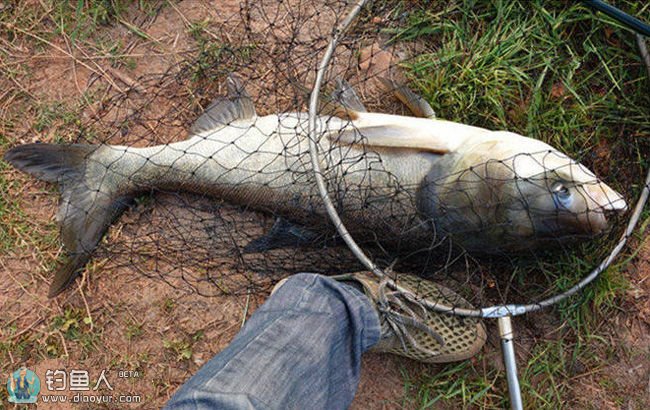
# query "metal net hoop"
(494, 311)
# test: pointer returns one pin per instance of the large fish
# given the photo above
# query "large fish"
(396, 178)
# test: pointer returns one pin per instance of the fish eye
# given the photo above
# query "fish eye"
(560, 189)
(562, 193)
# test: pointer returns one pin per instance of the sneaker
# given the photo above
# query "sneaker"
(410, 330)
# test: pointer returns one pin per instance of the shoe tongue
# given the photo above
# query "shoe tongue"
(354, 284)
(364, 281)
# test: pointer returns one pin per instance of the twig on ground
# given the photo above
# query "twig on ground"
(100, 68)
(65, 347)
(83, 297)
(133, 84)
(248, 299)
(115, 73)
(108, 57)
(74, 65)
(21, 285)
(28, 328)
(188, 24)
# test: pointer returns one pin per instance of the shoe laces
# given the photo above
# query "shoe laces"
(401, 310)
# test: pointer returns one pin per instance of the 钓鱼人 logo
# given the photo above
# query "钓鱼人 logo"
(23, 386)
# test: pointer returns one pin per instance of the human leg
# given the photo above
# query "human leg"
(301, 349)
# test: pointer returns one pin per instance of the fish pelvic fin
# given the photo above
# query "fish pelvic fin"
(343, 102)
(87, 207)
(415, 103)
(282, 234)
(223, 111)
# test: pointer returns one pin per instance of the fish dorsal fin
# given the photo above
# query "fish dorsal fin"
(396, 131)
(223, 111)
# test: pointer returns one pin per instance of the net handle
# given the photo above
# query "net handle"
(495, 311)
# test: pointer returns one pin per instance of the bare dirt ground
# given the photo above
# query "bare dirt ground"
(120, 320)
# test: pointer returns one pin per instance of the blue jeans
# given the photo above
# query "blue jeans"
(300, 350)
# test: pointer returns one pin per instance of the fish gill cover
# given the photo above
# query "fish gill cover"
(210, 159)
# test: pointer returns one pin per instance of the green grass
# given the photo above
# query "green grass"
(180, 349)
(134, 330)
(538, 68)
(225, 58)
(75, 327)
(559, 73)
(48, 114)
(81, 18)
(461, 384)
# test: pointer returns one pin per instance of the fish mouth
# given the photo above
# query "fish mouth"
(603, 204)
(564, 225)
(598, 222)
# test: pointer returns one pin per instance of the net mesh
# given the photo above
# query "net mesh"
(229, 205)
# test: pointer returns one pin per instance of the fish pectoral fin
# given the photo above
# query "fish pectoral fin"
(393, 136)
(237, 105)
(283, 234)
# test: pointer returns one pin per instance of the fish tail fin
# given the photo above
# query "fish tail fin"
(87, 207)
(66, 274)
(50, 162)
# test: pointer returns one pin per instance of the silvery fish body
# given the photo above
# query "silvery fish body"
(265, 163)
(394, 178)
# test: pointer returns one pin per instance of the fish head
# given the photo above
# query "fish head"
(505, 196)
(554, 196)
